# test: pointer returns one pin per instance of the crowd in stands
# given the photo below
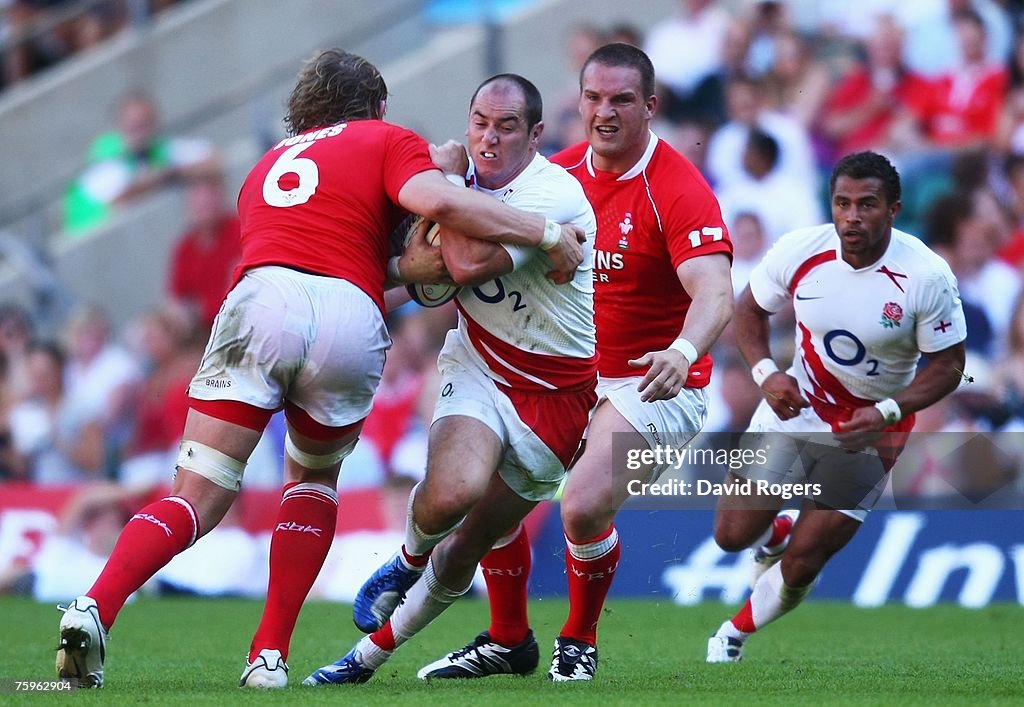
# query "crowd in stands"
(762, 96)
(38, 34)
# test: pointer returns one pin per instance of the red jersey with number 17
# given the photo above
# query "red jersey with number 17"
(325, 201)
(650, 219)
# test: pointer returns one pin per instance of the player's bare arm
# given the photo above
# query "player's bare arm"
(479, 216)
(709, 284)
(933, 382)
(473, 262)
(752, 337)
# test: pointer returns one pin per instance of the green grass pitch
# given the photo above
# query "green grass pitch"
(191, 651)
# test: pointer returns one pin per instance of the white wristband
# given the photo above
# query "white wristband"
(762, 369)
(455, 179)
(687, 349)
(394, 274)
(890, 410)
(552, 235)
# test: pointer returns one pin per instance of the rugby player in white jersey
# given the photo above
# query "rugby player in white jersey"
(517, 384)
(870, 300)
(663, 293)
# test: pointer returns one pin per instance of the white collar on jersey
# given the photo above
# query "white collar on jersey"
(538, 163)
(636, 169)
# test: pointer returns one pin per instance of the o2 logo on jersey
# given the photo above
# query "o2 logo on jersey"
(859, 351)
(500, 294)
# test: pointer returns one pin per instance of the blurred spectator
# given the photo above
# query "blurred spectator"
(795, 84)
(37, 34)
(563, 126)
(932, 33)
(97, 367)
(965, 229)
(685, 49)
(207, 253)
(749, 244)
(1010, 136)
(875, 96)
(967, 99)
(41, 33)
(691, 140)
(157, 404)
(781, 202)
(54, 443)
(15, 336)
(71, 558)
(129, 162)
(1009, 372)
(1012, 252)
(767, 23)
(745, 101)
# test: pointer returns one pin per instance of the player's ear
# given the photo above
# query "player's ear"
(536, 132)
(652, 106)
(895, 208)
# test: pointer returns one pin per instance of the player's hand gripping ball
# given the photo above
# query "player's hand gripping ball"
(430, 295)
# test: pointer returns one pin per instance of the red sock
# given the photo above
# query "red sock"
(744, 619)
(298, 548)
(415, 560)
(151, 538)
(781, 526)
(591, 566)
(384, 637)
(507, 571)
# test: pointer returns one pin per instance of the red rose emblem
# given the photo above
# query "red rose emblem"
(893, 312)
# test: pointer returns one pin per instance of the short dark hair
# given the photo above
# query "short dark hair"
(867, 165)
(619, 54)
(765, 145)
(534, 102)
(334, 86)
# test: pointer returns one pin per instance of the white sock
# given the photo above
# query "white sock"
(772, 597)
(417, 542)
(727, 630)
(370, 655)
(427, 600)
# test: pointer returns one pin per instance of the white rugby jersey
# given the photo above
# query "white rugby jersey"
(528, 331)
(859, 332)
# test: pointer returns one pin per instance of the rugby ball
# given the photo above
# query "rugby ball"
(433, 295)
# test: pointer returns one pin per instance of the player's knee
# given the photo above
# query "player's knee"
(436, 512)
(581, 519)
(730, 535)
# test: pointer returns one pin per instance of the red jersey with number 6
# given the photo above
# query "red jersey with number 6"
(325, 201)
(650, 219)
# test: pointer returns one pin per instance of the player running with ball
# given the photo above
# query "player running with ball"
(663, 294)
(517, 385)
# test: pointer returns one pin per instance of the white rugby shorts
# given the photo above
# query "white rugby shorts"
(539, 431)
(662, 423)
(318, 342)
(853, 479)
